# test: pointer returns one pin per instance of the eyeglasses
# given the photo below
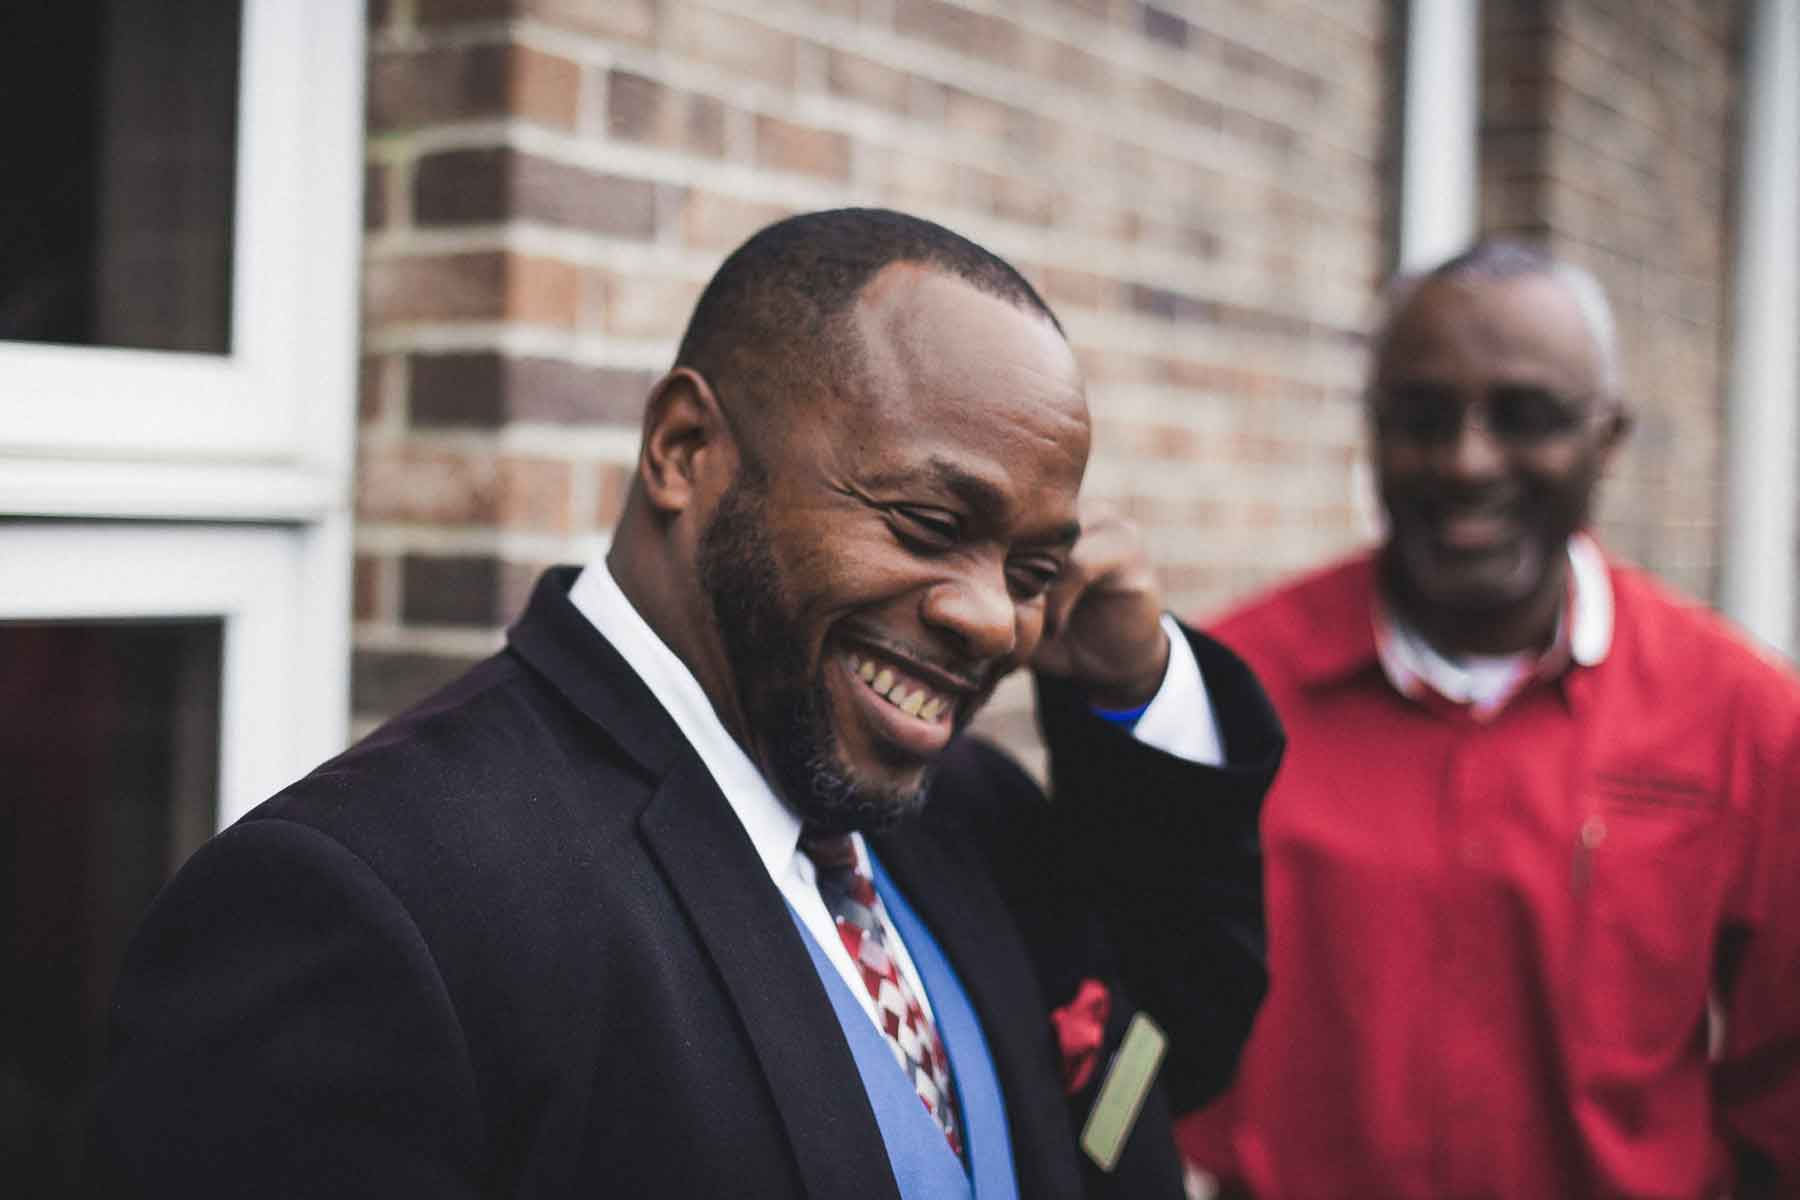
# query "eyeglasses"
(1519, 416)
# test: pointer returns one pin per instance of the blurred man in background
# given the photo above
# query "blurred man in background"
(1533, 873)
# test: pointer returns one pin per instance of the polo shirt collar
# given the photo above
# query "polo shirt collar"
(1583, 638)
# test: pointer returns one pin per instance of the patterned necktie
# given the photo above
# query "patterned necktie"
(861, 922)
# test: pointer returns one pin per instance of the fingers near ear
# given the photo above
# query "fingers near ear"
(685, 433)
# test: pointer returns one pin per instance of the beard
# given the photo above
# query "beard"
(786, 704)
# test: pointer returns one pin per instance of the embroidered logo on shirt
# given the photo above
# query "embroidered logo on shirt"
(1644, 790)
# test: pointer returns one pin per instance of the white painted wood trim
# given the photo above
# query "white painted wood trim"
(1763, 429)
(1440, 115)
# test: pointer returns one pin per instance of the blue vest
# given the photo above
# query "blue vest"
(924, 1165)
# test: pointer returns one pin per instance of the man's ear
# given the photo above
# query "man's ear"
(686, 439)
(1616, 428)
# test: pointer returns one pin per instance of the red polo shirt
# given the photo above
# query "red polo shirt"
(1494, 937)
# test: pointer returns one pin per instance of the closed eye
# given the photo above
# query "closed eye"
(1031, 578)
(926, 528)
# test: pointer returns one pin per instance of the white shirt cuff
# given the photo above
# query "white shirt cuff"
(1180, 718)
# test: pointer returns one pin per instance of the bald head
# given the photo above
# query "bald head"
(774, 324)
(1505, 259)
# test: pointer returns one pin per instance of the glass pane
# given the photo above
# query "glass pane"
(109, 751)
(119, 160)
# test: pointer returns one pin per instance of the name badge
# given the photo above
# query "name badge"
(1123, 1090)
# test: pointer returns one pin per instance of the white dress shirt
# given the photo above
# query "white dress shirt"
(1169, 724)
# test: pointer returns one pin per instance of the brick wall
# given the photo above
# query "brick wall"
(1197, 188)
(1608, 132)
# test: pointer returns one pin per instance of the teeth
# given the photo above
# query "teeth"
(913, 700)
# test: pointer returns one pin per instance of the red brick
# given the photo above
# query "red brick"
(966, 112)
(374, 196)
(458, 83)
(365, 587)
(548, 390)
(450, 589)
(517, 581)
(371, 400)
(921, 181)
(383, 682)
(786, 146)
(1023, 199)
(479, 286)
(533, 493)
(1065, 285)
(738, 48)
(441, 288)
(596, 298)
(456, 391)
(1166, 27)
(960, 29)
(614, 481)
(1074, 67)
(461, 83)
(485, 390)
(542, 291)
(705, 126)
(570, 196)
(856, 77)
(641, 109)
(715, 221)
(429, 486)
(462, 187)
(495, 185)
(542, 87)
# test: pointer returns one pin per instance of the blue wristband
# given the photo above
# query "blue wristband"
(1127, 717)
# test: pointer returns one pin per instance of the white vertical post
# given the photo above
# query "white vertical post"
(1439, 124)
(1762, 432)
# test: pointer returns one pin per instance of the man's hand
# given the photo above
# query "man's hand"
(1103, 617)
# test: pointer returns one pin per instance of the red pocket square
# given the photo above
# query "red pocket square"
(1080, 1028)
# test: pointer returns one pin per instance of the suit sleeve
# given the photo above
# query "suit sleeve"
(279, 1029)
(1167, 853)
(1757, 1075)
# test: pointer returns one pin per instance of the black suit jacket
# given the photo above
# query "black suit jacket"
(516, 943)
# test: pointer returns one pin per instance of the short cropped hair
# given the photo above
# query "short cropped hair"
(774, 321)
(1504, 258)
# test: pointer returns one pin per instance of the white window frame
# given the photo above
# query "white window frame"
(294, 251)
(275, 724)
(219, 485)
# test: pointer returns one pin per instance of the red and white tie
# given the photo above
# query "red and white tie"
(861, 922)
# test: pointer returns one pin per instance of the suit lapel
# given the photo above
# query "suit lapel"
(746, 929)
(970, 922)
(737, 913)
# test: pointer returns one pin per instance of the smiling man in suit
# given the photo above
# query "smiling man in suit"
(693, 889)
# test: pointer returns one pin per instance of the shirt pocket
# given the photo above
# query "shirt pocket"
(1649, 875)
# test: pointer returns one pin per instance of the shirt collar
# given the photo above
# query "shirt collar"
(773, 827)
(1583, 638)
